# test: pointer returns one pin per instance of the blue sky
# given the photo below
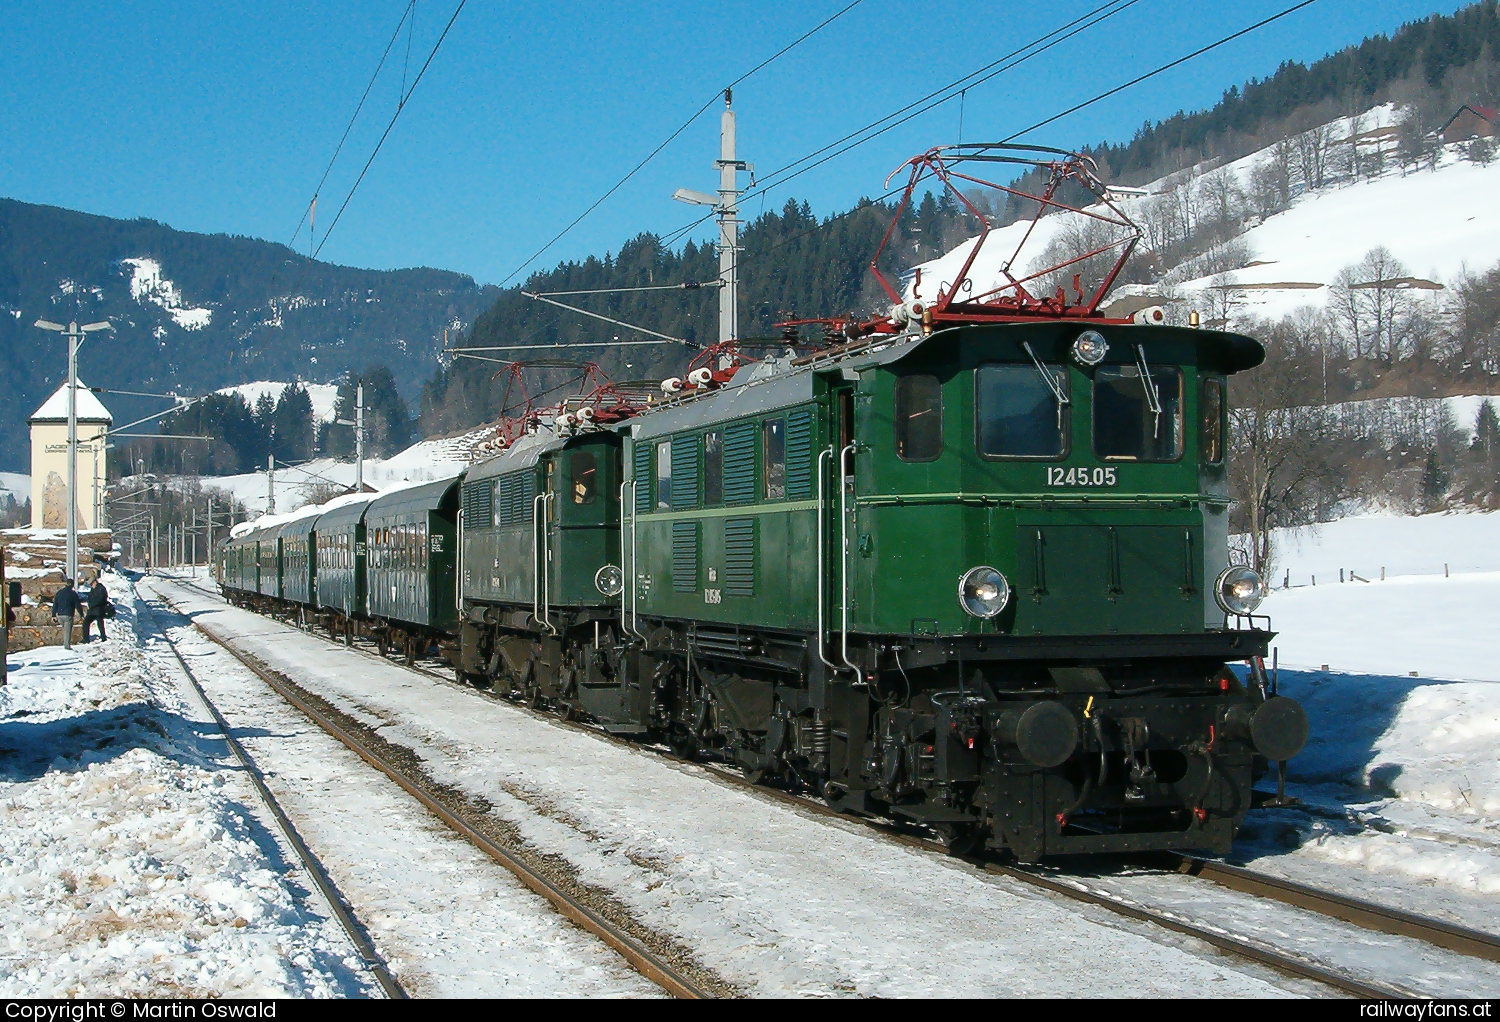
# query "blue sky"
(221, 117)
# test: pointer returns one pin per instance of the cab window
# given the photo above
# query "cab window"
(1017, 413)
(1213, 422)
(1138, 417)
(584, 476)
(919, 418)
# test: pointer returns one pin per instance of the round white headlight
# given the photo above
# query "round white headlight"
(609, 580)
(983, 592)
(1089, 348)
(1239, 590)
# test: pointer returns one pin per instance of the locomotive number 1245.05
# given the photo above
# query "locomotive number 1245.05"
(1060, 476)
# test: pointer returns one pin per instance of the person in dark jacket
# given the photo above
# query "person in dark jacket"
(64, 606)
(96, 601)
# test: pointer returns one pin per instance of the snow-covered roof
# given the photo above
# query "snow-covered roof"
(55, 408)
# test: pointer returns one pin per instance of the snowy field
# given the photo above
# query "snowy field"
(1402, 768)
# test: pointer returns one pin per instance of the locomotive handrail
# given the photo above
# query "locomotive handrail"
(845, 483)
(458, 583)
(540, 590)
(632, 622)
(822, 545)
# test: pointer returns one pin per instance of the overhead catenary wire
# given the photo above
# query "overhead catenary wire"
(400, 106)
(1042, 123)
(673, 136)
(955, 88)
(408, 12)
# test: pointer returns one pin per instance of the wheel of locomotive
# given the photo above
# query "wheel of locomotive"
(755, 774)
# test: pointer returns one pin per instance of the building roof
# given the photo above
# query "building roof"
(1483, 112)
(55, 408)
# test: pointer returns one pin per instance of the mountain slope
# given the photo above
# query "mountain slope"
(196, 312)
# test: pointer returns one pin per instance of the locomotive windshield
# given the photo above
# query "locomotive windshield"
(1138, 417)
(1017, 415)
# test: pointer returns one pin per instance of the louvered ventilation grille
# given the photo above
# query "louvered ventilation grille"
(739, 463)
(642, 477)
(799, 455)
(685, 556)
(739, 557)
(479, 504)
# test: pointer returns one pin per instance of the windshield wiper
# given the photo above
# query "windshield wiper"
(1153, 396)
(1051, 382)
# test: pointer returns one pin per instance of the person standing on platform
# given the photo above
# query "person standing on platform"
(97, 602)
(64, 607)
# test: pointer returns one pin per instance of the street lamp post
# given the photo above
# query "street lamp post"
(75, 335)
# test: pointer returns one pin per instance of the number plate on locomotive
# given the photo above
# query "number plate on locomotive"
(1079, 477)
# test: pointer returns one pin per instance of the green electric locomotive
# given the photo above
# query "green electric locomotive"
(976, 578)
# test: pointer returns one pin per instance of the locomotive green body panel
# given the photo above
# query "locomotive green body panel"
(1095, 537)
(574, 485)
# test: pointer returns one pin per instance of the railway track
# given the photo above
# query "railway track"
(338, 905)
(1360, 913)
(654, 966)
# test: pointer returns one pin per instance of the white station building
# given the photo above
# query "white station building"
(49, 459)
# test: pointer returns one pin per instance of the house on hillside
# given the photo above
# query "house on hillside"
(1471, 121)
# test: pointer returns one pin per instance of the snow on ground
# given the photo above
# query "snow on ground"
(324, 395)
(132, 862)
(147, 285)
(784, 903)
(448, 920)
(1401, 771)
(1418, 545)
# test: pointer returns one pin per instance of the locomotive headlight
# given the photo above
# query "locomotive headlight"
(609, 580)
(1239, 590)
(1089, 348)
(983, 592)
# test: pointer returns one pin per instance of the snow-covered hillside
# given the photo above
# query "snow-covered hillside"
(422, 462)
(324, 395)
(1436, 222)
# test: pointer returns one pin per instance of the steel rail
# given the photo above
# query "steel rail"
(337, 904)
(639, 957)
(1367, 914)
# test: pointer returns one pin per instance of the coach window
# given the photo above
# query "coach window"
(713, 468)
(919, 418)
(1213, 421)
(664, 475)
